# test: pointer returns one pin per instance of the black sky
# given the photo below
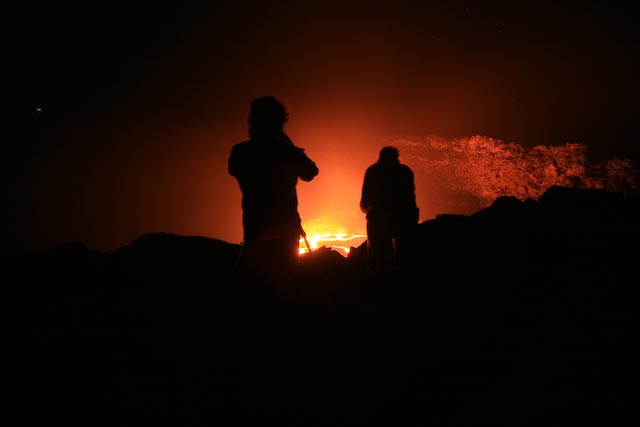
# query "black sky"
(121, 117)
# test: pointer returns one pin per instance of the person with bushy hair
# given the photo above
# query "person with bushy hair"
(267, 167)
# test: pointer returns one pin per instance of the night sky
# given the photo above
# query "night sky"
(121, 118)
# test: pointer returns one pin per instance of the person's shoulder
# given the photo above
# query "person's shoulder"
(372, 168)
(241, 146)
(406, 168)
(290, 149)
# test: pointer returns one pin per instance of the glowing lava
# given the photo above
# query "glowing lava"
(331, 231)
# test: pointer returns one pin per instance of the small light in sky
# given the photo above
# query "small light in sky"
(38, 109)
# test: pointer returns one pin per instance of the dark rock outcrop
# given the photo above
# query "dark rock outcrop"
(515, 315)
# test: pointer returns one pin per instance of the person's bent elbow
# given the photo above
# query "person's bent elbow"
(308, 175)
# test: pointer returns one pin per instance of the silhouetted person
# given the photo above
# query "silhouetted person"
(389, 200)
(267, 168)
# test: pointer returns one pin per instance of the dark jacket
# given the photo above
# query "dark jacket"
(267, 168)
(388, 194)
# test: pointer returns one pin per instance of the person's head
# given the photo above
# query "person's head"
(266, 113)
(389, 154)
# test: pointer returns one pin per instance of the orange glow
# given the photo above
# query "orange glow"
(467, 174)
(458, 176)
(331, 231)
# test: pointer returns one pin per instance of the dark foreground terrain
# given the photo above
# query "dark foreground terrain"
(521, 314)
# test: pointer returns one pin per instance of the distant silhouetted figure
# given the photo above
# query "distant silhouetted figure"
(389, 200)
(267, 168)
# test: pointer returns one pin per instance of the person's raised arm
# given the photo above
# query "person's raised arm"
(306, 168)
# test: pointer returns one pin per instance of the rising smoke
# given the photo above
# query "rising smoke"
(467, 174)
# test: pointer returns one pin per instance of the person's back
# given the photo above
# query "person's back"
(267, 168)
(388, 194)
(389, 201)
